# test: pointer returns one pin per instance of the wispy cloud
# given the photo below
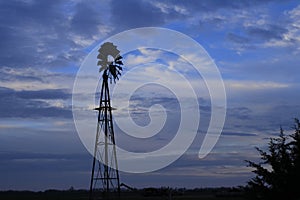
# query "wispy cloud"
(253, 85)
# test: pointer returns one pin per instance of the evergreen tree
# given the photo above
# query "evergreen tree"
(278, 173)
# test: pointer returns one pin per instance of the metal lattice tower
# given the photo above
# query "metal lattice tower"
(105, 181)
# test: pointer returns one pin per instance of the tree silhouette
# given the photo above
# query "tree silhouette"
(278, 173)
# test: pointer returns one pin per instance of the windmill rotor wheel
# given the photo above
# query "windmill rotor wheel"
(106, 50)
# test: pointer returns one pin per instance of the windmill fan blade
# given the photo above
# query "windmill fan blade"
(101, 56)
(118, 58)
(119, 67)
(119, 62)
(102, 63)
(112, 68)
(109, 49)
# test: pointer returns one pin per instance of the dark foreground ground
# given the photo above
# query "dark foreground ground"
(142, 194)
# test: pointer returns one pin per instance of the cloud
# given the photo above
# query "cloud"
(291, 36)
(39, 171)
(239, 112)
(168, 8)
(26, 28)
(142, 56)
(263, 68)
(133, 13)
(44, 94)
(238, 134)
(43, 34)
(213, 6)
(237, 39)
(34, 79)
(34, 157)
(90, 22)
(8, 75)
(85, 19)
(270, 31)
(30, 104)
(253, 85)
(267, 33)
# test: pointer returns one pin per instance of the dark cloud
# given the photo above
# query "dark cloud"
(239, 112)
(170, 103)
(283, 115)
(29, 104)
(39, 171)
(212, 6)
(15, 156)
(27, 28)
(135, 13)
(238, 134)
(86, 20)
(44, 94)
(253, 35)
(7, 75)
(139, 112)
(51, 34)
(214, 159)
(237, 38)
(266, 33)
(39, 94)
(45, 34)
(215, 21)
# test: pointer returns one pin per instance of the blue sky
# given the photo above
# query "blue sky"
(255, 44)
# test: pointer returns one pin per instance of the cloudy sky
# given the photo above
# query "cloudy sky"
(255, 44)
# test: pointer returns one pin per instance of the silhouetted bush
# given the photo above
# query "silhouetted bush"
(278, 173)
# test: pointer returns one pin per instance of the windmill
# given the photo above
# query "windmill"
(105, 175)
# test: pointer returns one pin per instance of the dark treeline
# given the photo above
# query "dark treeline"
(145, 193)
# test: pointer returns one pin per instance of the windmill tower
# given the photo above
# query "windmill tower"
(105, 181)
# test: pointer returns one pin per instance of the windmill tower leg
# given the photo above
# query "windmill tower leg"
(105, 181)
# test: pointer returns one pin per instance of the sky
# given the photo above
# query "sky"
(44, 45)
